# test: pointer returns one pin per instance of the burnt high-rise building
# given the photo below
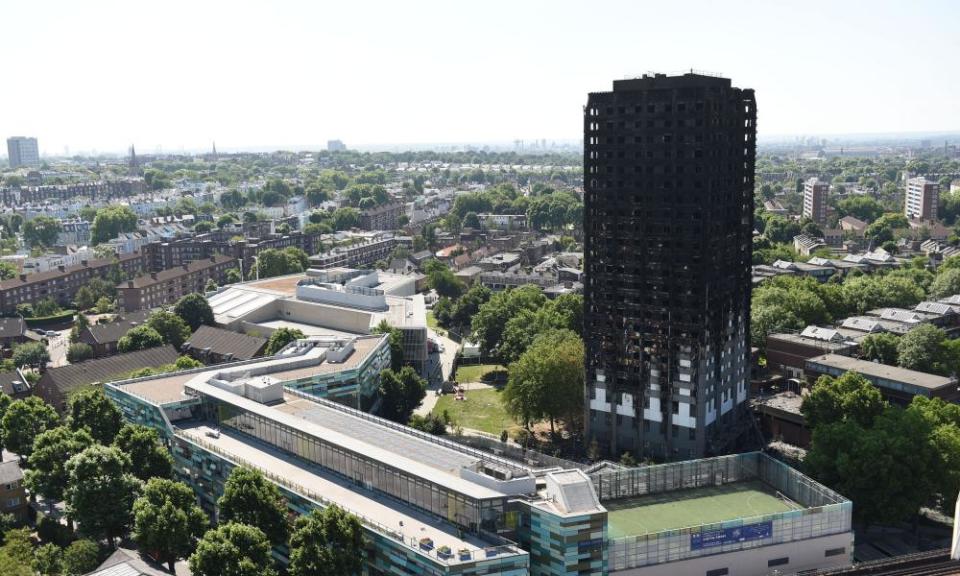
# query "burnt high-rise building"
(668, 202)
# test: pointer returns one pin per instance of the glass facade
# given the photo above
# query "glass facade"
(468, 513)
(356, 387)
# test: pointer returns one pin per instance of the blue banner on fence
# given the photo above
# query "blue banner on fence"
(711, 538)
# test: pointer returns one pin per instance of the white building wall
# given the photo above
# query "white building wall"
(803, 555)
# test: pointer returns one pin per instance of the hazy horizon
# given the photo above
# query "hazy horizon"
(291, 75)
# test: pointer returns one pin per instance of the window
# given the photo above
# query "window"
(835, 552)
(718, 572)
(778, 561)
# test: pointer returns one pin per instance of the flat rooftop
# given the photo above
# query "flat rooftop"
(398, 443)
(170, 388)
(394, 447)
(286, 285)
(390, 513)
(677, 509)
(884, 371)
(307, 329)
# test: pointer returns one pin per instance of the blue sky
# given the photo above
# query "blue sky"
(102, 74)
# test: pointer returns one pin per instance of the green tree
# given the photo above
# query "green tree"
(78, 352)
(187, 363)
(863, 293)
(30, 354)
(327, 542)
(167, 520)
(226, 220)
(171, 327)
(280, 338)
(85, 298)
(274, 262)
(546, 382)
(401, 393)
(862, 207)
(233, 276)
(48, 560)
(880, 347)
(249, 498)
(194, 310)
(848, 397)
(470, 220)
(112, 221)
(947, 283)
(52, 448)
(100, 492)
(845, 456)
(8, 271)
(23, 421)
(41, 231)
(233, 549)
(46, 307)
(148, 457)
(442, 279)
(491, 319)
(81, 557)
(139, 338)
(346, 218)
(90, 410)
(103, 305)
(396, 343)
(922, 349)
(16, 555)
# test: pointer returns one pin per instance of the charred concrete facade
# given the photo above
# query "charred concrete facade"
(668, 199)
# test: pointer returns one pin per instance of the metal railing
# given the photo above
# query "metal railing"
(436, 440)
(431, 551)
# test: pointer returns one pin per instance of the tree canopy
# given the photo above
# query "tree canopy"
(101, 491)
(547, 381)
(52, 449)
(171, 327)
(194, 310)
(233, 549)
(89, 409)
(327, 542)
(110, 222)
(248, 498)
(167, 520)
(280, 338)
(23, 421)
(139, 338)
(400, 393)
(148, 457)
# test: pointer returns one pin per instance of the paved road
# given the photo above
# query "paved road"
(446, 359)
(57, 347)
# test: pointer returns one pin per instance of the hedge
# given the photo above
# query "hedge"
(65, 316)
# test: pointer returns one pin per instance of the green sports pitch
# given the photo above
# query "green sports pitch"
(682, 508)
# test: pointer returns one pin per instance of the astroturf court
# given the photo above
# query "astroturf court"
(692, 507)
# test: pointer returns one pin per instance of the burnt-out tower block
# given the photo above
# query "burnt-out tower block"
(668, 201)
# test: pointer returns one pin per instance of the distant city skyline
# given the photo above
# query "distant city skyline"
(105, 75)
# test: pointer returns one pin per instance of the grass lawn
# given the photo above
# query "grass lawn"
(476, 373)
(480, 411)
(432, 324)
(683, 508)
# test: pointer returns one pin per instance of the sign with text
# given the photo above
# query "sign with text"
(712, 538)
